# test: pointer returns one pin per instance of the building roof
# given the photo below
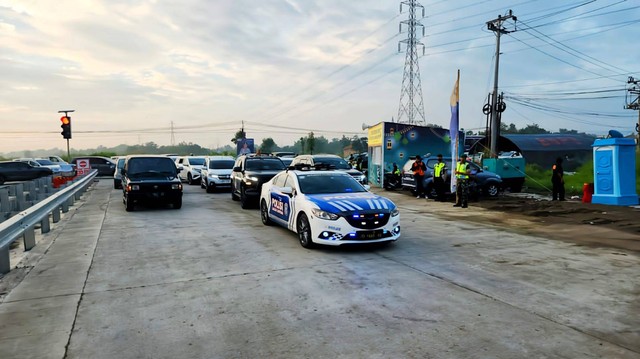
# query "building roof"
(552, 142)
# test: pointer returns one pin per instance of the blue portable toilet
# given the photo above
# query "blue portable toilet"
(614, 171)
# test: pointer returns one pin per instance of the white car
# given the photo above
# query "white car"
(328, 207)
(66, 169)
(216, 172)
(191, 167)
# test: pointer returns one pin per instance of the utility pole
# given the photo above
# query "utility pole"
(411, 103)
(496, 25)
(68, 119)
(173, 137)
(634, 104)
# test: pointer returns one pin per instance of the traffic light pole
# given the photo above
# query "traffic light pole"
(66, 115)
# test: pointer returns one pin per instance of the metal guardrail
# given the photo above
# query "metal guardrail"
(23, 224)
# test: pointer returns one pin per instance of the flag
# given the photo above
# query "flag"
(454, 128)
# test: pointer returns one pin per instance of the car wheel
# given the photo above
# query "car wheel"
(264, 214)
(244, 201)
(128, 204)
(234, 196)
(491, 190)
(304, 231)
(189, 179)
(203, 184)
(209, 188)
(177, 204)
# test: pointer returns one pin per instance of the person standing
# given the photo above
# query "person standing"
(557, 181)
(418, 167)
(462, 179)
(439, 170)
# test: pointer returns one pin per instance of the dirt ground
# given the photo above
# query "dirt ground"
(571, 220)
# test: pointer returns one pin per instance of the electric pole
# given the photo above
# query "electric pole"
(634, 104)
(496, 25)
(173, 137)
(411, 103)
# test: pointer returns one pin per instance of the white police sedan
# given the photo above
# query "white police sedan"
(328, 207)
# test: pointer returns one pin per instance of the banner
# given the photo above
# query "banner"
(454, 128)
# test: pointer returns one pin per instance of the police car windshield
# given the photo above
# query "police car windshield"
(338, 163)
(328, 183)
(264, 164)
(221, 164)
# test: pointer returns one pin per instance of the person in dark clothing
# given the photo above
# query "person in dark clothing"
(557, 181)
(439, 171)
(418, 167)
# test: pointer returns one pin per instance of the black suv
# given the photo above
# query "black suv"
(249, 173)
(150, 179)
(482, 182)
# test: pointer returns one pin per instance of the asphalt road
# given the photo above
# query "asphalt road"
(210, 281)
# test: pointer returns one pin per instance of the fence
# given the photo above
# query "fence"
(22, 225)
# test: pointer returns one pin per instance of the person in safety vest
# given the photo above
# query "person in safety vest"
(418, 167)
(462, 179)
(557, 181)
(439, 171)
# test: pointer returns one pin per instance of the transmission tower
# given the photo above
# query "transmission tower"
(411, 109)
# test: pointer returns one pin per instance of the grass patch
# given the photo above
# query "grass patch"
(539, 179)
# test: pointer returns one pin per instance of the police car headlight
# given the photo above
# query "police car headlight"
(395, 212)
(324, 214)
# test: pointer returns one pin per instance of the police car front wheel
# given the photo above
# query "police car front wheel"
(304, 231)
(264, 214)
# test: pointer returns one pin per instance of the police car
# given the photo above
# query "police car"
(328, 207)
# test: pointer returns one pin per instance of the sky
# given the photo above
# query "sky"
(171, 71)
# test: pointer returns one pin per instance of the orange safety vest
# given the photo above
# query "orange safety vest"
(419, 171)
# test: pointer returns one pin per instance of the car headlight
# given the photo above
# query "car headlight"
(176, 186)
(250, 179)
(133, 187)
(395, 212)
(196, 170)
(324, 214)
(362, 178)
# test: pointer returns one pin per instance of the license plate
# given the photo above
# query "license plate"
(369, 234)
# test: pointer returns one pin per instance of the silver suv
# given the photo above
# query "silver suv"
(216, 172)
(191, 167)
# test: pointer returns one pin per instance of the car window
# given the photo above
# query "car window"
(181, 161)
(290, 181)
(121, 163)
(328, 183)
(264, 164)
(196, 161)
(278, 180)
(147, 165)
(45, 162)
(338, 163)
(221, 164)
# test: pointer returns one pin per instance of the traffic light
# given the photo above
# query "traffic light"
(66, 126)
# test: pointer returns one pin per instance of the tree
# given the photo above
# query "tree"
(311, 142)
(301, 144)
(268, 145)
(239, 135)
(533, 129)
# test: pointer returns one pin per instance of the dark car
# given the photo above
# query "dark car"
(151, 179)
(333, 161)
(249, 173)
(21, 171)
(104, 165)
(482, 182)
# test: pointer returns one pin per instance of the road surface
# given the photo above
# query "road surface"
(210, 281)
